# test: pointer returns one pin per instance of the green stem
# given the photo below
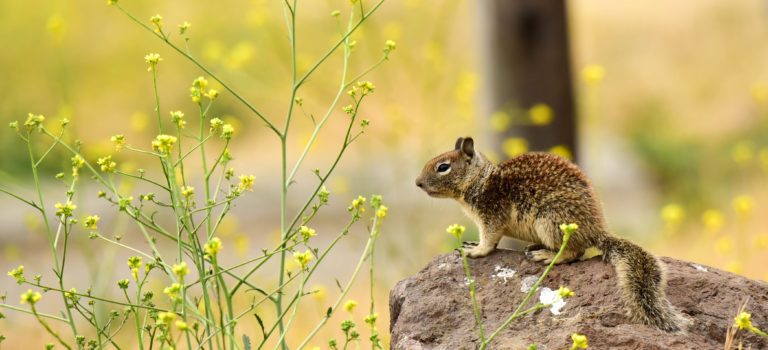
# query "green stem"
(48, 328)
(283, 167)
(471, 290)
(299, 295)
(135, 318)
(57, 269)
(16, 308)
(62, 291)
(203, 68)
(30, 203)
(338, 43)
(363, 257)
(516, 314)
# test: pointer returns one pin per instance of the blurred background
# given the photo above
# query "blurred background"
(664, 105)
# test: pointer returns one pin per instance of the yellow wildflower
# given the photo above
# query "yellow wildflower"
(180, 270)
(118, 140)
(246, 183)
(350, 305)
(456, 230)
(593, 73)
(743, 204)
(303, 258)
(742, 320)
(91, 221)
(213, 246)
(31, 297)
(540, 114)
(163, 143)
(106, 164)
(713, 220)
(579, 341)
(65, 209)
(153, 59)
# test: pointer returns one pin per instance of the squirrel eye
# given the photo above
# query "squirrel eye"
(443, 168)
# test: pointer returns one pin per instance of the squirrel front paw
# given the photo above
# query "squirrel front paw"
(479, 251)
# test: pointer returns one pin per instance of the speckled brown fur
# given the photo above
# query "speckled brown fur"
(527, 198)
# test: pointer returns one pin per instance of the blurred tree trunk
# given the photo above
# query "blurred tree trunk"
(528, 76)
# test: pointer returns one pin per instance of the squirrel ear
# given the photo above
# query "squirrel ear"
(458, 142)
(468, 147)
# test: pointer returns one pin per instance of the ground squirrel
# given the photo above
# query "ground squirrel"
(527, 198)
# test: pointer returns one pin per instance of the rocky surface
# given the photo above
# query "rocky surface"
(433, 309)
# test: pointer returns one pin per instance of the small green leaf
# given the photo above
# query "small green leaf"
(261, 324)
(246, 340)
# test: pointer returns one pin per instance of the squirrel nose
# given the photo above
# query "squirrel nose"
(419, 183)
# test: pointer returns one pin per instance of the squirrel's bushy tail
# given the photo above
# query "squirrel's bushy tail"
(642, 281)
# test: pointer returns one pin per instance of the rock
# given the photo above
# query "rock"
(433, 309)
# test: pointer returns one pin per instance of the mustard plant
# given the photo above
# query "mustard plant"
(562, 293)
(742, 321)
(197, 308)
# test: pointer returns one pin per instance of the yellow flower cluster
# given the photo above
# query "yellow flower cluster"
(579, 341)
(163, 143)
(31, 297)
(540, 114)
(564, 292)
(307, 232)
(180, 270)
(153, 59)
(227, 130)
(165, 317)
(673, 213)
(65, 209)
(213, 246)
(34, 121)
(713, 220)
(303, 258)
(358, 204)
(72, 294)
(371, 319)
(514, 146)
(216, 123)
(363, 87)
(17, 273)
(156, 21)
(743, 204)
(177, 117)
(174, 291)
(382, 211)
(91, 221)
(456, 230)
(197, 91)
(350, 305)
(119, 141)
(246, 183)
(742, 320)
(188, 192)
(391, 45)
(183, 27)
(134, 263)
(77, 163)
(569, 229)
(106, 164)
(593, 74)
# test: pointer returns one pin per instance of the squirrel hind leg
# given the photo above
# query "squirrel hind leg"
(546, 256)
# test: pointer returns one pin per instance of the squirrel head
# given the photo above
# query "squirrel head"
(451, 173)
